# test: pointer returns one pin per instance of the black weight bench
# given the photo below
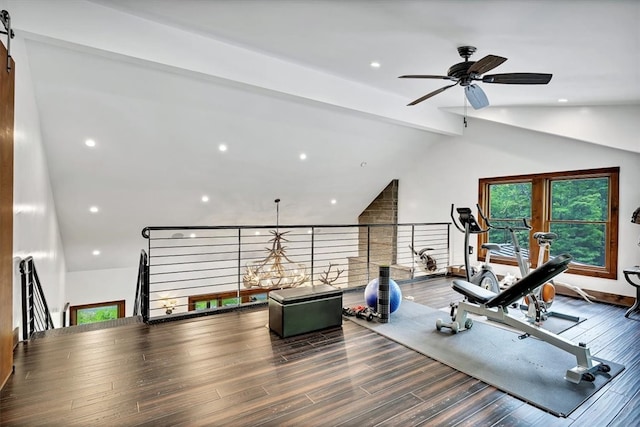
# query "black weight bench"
(494, 306)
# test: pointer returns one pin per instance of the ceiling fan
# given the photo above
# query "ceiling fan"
(465, 73)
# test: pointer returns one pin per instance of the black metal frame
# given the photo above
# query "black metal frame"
(36, 316)
(141, 304)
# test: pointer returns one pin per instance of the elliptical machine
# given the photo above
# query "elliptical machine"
(467, 224)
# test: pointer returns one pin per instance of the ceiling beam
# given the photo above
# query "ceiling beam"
(86, 25)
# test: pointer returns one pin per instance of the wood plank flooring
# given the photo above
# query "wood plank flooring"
(230, 370)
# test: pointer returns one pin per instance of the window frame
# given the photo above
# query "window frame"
(73, 310)
(541, 215)
(245, 297)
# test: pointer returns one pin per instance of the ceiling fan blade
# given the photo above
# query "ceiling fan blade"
(518, 78)
(430, 94)
(426, 76)
(476, 96)
(487, 63)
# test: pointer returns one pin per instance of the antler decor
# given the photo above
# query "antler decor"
(276, 270)
(324, 277)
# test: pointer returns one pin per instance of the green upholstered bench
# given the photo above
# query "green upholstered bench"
(294, 311)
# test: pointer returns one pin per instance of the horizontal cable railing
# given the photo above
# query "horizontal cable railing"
(199, 268)
(36, 316)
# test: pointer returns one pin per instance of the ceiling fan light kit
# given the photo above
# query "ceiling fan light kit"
(476, 96)
(466, 72)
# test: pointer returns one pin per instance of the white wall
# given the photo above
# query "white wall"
(449, 171)
(35, 225)
(92, 286)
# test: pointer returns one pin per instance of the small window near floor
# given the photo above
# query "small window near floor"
(230, 301)
(98, 312)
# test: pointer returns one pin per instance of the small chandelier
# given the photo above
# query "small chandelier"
(276, 270)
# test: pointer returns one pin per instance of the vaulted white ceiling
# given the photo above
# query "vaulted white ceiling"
(159, 84)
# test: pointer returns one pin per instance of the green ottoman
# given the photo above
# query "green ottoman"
(294, 311)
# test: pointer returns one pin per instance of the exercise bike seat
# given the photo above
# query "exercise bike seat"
(545, 237)
(474, 293)
(522, 287)
(493, 247)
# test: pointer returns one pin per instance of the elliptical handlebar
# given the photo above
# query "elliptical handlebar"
(453, 218)
(524, 227)
(466, 218)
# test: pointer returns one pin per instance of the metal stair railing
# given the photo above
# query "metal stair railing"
(141, 304)
(36, 316)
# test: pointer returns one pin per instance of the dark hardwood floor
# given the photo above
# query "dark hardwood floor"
(229, 369)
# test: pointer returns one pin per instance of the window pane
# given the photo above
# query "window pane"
(230, 301)
(580, 199)
(510, 201)
(508, 205)
(201, 305)
(97, 314)
(585, 242)
(259, 297)
(213, 303)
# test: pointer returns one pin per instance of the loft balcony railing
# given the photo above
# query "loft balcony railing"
(196, 270)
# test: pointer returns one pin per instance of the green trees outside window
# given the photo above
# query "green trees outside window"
(579, 213)
(92, 315)
(97, 312)
(509, 203)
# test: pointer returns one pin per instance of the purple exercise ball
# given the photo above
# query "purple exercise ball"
(371, 295)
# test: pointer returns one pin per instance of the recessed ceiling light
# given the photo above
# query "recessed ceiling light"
(375, 64)
(334, 201)
(96, 252)
(303, 156)
(205, 199)
(93, 209)
(222, 147)
(90, 143)
(363, 164)
(192, 235)
(563, 100)
(257, 233)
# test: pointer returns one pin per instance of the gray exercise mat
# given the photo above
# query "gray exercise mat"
(529, 369)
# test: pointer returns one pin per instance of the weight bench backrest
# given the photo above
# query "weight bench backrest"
(531, 281)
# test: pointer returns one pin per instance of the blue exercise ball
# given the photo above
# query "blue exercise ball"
(371, 295)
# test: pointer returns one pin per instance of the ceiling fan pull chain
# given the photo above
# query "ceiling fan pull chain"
(464, 118)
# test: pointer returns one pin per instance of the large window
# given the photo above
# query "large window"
(581, 207)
